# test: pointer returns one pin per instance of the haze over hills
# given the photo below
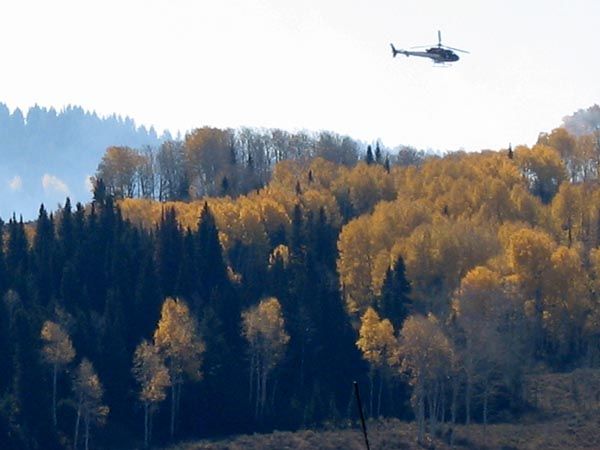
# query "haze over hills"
(46, 155)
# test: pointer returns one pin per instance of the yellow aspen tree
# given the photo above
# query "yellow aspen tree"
(377, 343)
(367, 186)
(543, 170)
(565, 144)
(592, 323)
(529, 254)
(58, 351)
(585, 150)
(567, 211)
(355, 264)
(118, 169)
(264, 329)
(88, 397)
(314, 200)
(425, 353)
(178, 341)
(150, 371)
(526, 207)
(568, 302)
(496, 206)
(479, 307)
(324, 172)
(273, 215)
(438, 255)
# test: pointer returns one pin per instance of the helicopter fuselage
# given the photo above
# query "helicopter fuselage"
(440, 54)
(436, 54)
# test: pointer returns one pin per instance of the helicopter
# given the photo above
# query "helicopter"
(440, 54)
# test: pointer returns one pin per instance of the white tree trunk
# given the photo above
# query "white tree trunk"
(87, 430)
(420, 400)
(146, 440)
(263, 393)
(258, 390)
(54, 377)
(379, 394)
(173, 404)
(468, 390)
(371, 376)
(76, 437)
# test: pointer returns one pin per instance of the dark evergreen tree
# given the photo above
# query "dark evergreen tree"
(99, 243)
(11, 434)
(116, 329)
(66, 246)
(89, 258)
(369, 158)
(5, 341)
(394, 302)
(148, 300)
(220, 319)
(225, 385)
(114, 358)
(79, 220)
(212, 271)
(296, 306)
(66, 233)
(99, 191)
(17, 259)
(321, 356)
(168, 252)
(378, 154)
(296, 243)
(188, 285)
(3, 275)
(43, 253)
(70, 289)
(216, 288)
(224, 186)
(124, 271)
(6, 350)
(32, 405)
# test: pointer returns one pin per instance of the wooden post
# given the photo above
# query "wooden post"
(362, 416)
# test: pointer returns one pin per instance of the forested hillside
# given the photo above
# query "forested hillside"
(46, 155)
(211, 307)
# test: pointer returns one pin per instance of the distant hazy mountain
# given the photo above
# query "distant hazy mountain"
(47, 155)
(583, 121)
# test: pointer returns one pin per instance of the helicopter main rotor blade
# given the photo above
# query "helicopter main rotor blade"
(455, 49)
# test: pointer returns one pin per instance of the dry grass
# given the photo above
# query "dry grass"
(383, 435)
(572, 393)
(567, 416)
(392, 434)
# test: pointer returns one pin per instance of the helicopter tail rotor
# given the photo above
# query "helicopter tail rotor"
(395, 51)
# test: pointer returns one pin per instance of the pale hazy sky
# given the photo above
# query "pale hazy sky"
(311, 64)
